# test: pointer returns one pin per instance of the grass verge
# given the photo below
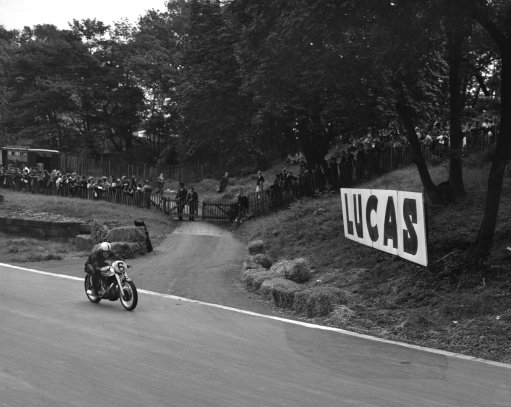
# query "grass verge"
(28, 249)
(392, 298)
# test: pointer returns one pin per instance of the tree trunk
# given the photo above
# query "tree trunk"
(455, 39)
(481, 248)
(415, 147)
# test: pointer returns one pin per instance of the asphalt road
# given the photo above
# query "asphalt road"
(198, 260)
(58, 349)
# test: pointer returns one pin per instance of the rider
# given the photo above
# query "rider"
(96, 263)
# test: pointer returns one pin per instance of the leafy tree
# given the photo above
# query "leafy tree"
(216, 118)
(40, 77)
(293, 67)
(110, 97)
(495, 18)
(155, 60)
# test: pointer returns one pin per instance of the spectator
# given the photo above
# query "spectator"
(180, 200)
(259, 183)
(224, 181)
(161, 184)
(146, 187)
(193, 204)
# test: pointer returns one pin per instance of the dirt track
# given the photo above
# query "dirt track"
(198, 260)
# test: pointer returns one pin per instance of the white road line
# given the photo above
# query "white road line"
(289, 321)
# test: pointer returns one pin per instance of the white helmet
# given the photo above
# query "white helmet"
(105, 246)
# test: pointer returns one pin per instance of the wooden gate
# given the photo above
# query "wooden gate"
(218, 211)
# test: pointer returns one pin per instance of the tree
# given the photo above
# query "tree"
(216, 117)
(495, 18)
(40, 76)
(110, 98)
(291, 64)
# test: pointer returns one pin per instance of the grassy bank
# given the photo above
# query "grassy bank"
(392, 298)
(27, 249)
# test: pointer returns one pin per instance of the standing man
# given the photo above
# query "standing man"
(260, 183)
(224, 181)
(161, 184)
(180, 200)
(193, 203)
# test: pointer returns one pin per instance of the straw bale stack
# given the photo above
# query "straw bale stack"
(130, 234)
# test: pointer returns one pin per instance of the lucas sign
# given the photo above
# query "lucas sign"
(391, 221)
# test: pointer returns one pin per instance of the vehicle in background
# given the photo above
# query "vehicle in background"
(41, 158)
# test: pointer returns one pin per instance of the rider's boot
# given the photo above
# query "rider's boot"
(95, 289)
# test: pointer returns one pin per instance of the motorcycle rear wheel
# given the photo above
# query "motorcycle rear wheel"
(88, 285)
(128, 295)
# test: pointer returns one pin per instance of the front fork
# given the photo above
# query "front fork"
(120, 279)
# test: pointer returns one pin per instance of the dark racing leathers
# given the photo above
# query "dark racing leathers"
(96, 261)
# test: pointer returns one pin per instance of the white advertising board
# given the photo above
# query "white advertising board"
(391, 221)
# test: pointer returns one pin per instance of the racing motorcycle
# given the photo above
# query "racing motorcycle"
(115, 285)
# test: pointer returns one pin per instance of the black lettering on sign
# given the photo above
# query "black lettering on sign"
(359, 223)
(372, 205)
(410, 241)
(390, 224)
(348, 221)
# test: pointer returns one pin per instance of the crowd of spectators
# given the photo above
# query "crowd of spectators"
(361, 158)
(71, 184)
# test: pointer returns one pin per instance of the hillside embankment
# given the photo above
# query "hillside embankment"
(368, 291)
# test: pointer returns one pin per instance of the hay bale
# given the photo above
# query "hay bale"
(318, 301)
(250, 264)
(280, 290)
(253, 278)
(128, 250)
(255, 247)
(98, 232)
(131, 234)
(341, 315)
(262, 260)
(84, 242)
(85, 228)
(297, 270)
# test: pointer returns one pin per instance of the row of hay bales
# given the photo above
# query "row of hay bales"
(127, 242)
(288, 283)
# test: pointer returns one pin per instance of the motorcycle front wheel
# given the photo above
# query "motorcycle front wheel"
(128, 295)
(88, 285)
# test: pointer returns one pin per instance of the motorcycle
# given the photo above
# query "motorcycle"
(115, 285)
